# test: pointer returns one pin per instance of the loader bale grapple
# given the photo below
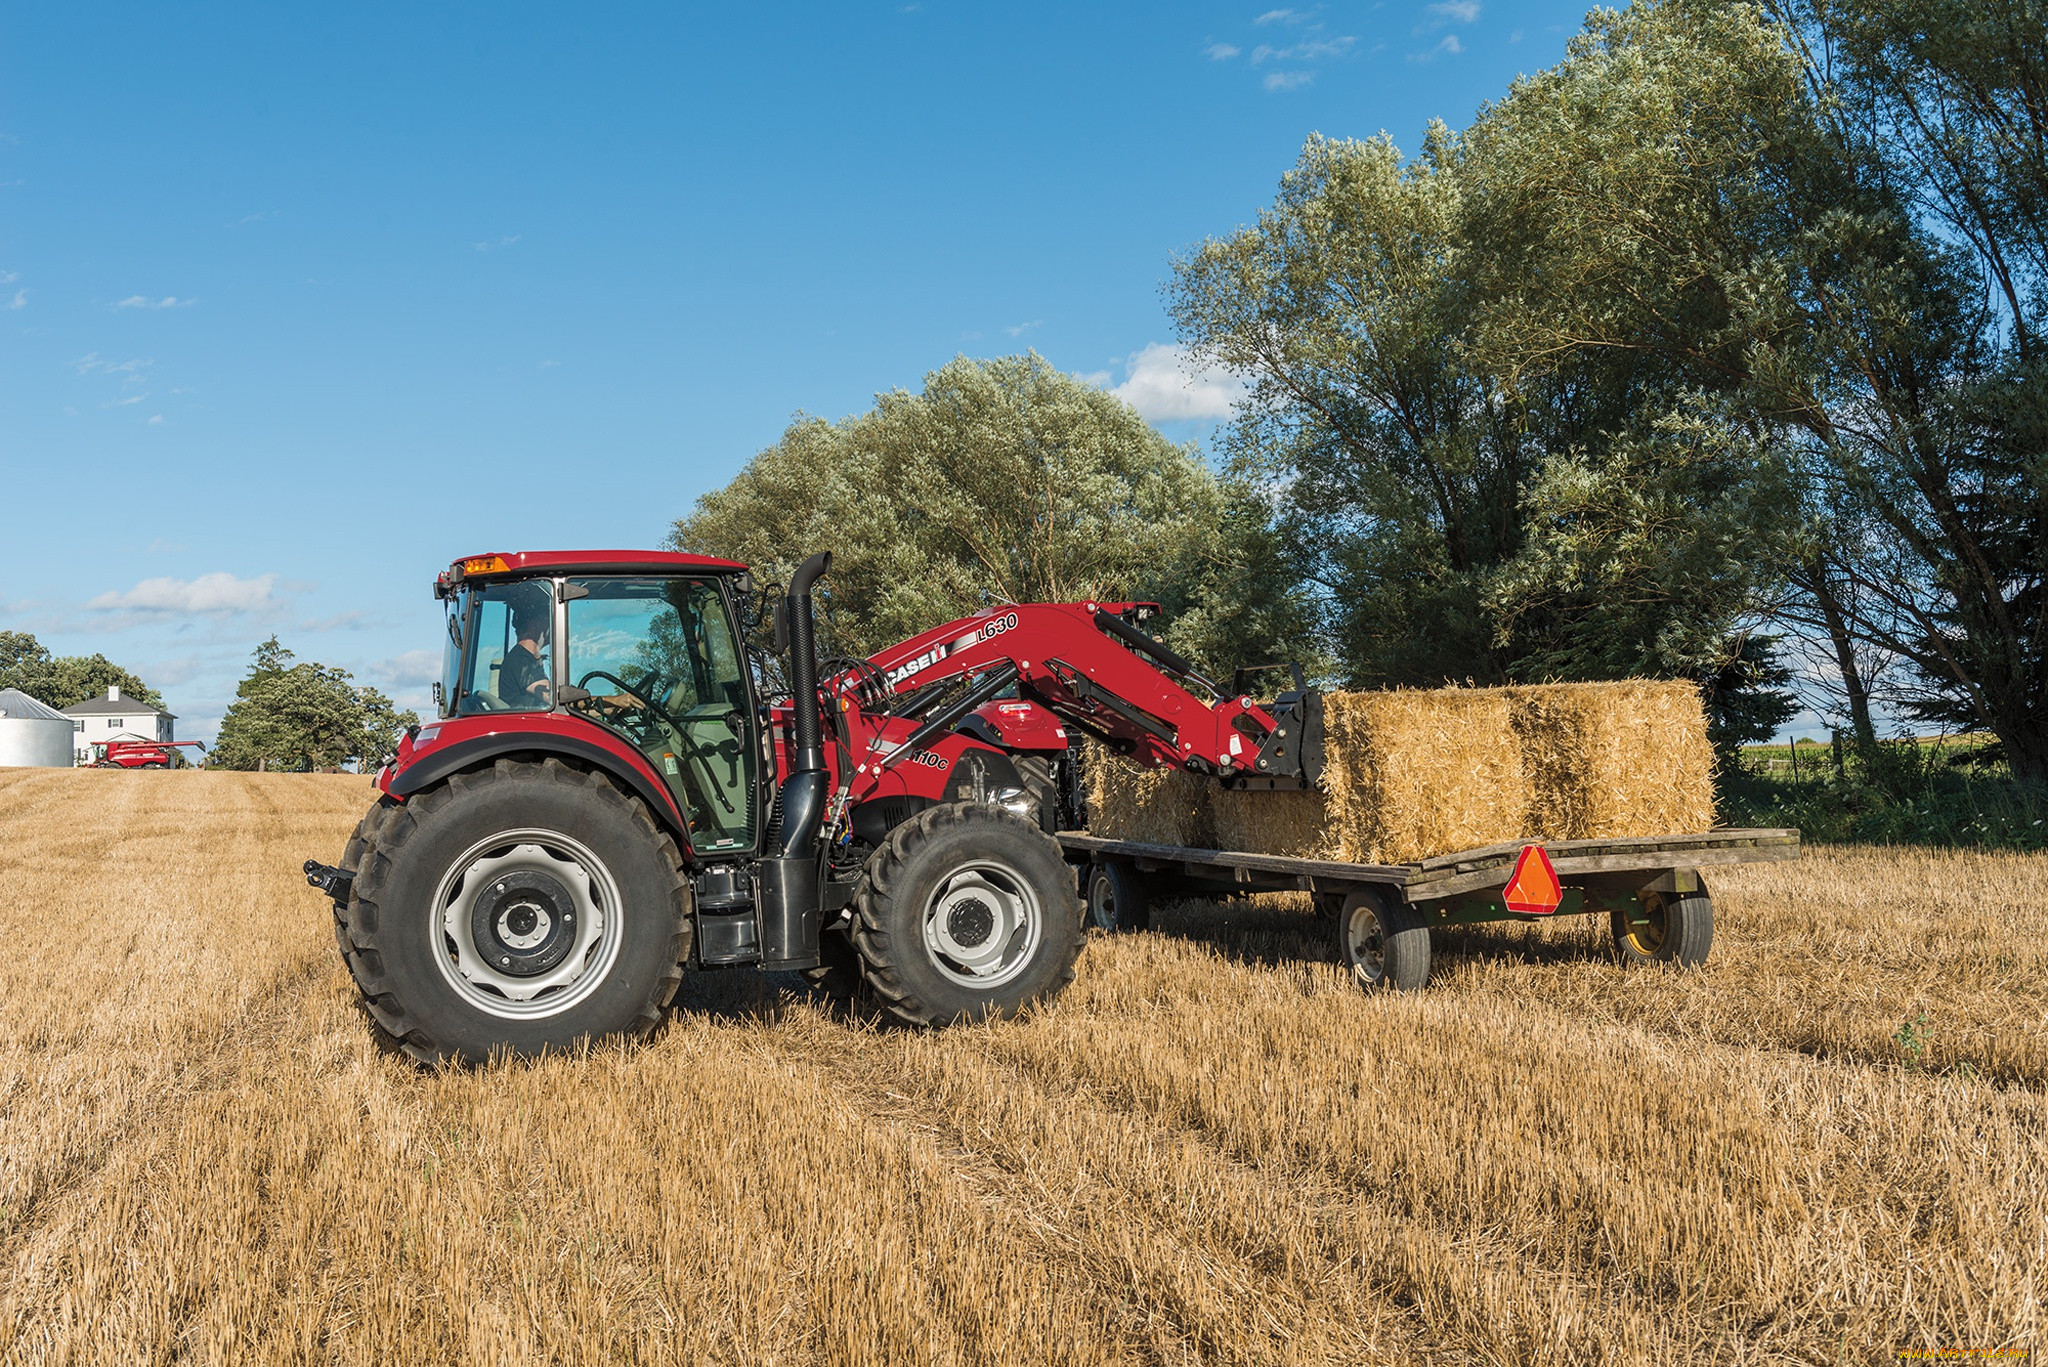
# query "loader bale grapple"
(611, 795)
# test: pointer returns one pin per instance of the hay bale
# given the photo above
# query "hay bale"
(1411, 773)
(1155, 806)
(1296, 824)
(1614, 759)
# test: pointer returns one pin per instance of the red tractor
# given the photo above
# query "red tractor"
(615, 790)
(139, 754)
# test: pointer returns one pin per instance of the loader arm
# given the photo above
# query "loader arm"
(1085, 662)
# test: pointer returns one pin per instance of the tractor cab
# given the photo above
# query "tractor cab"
(648, 651)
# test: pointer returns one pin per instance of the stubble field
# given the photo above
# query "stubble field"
(1826, 1146)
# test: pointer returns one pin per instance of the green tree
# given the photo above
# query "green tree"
(1931, 454)
(1004, 480)
(59, 681)
(1828, 226)
(303, 716)
(1493, 479)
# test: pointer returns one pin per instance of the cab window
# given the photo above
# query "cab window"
(507, 649)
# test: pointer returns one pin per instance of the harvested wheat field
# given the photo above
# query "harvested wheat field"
(1828, 1145)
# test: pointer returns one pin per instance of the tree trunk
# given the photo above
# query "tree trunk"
(1853, 688)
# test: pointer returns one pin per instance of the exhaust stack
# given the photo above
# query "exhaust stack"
(790, 902)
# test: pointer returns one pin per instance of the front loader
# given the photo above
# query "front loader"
(609, 795)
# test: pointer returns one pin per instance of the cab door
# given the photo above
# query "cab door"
(657, 661)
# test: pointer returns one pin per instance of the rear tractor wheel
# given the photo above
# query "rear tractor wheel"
(524, 909)
(966, 912)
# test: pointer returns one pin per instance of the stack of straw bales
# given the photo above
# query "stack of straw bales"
(1412, 773)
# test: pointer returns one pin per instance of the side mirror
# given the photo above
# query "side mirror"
(779, 626)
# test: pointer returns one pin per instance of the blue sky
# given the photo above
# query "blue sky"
(298, 304)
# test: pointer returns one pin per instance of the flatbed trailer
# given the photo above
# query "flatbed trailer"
(1651, 889)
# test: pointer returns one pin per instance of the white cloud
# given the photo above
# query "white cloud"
(1307, 50)
(1463, 11)
(170, 673)
(1163, 385)
(352, 620)
(157, 420)
(1020, 329)
(497, 244)
(20, 300)
(129, 371)
(1288, 80)
(169, 301)
(412, 669)
(1278, 16)
(1450, 44)
(1220, 52)
(216, 594)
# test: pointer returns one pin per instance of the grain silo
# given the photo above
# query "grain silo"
(32, 734)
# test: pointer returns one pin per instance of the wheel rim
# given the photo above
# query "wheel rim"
(529, 924)
(1645, 934)
(1365, 943)
(982, 924)
(1102, 902)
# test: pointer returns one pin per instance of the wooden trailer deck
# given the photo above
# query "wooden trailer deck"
(1450, 875)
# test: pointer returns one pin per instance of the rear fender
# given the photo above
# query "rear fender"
(595, 750)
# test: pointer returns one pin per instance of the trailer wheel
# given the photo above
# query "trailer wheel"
(1383, 941)
(523, 909)
(1118, 899)
(1665, 927)
(966, 912)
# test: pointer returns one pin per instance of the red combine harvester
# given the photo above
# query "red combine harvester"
(138, 754)
(615, 790)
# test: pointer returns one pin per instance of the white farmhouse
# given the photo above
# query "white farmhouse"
(114, 717)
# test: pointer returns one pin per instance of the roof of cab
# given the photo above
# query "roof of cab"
(594, 562)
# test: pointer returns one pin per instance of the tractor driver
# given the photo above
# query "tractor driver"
(523, 677)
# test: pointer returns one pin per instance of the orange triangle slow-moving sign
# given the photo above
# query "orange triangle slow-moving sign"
(1534, 889)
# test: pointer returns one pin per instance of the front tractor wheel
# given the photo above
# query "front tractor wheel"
(521, 909)
(966, 912)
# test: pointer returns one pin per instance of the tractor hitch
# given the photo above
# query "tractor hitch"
(330, 880)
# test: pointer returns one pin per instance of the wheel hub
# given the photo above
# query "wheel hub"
(981, 925)
(524, 923)
(1368, 945)
(528, 923)
(970, 922)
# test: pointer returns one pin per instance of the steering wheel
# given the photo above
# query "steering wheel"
(654, 709)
